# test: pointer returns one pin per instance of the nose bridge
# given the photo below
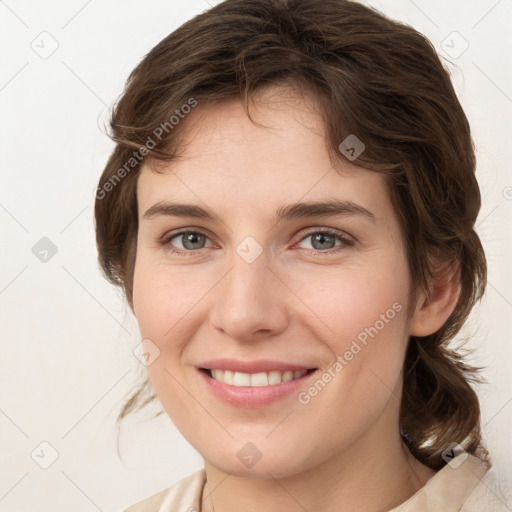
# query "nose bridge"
(247, 300)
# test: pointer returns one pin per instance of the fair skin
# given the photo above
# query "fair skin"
(296, 302)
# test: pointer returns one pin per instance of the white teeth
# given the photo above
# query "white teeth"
(256, 379)
(287, 376)
(228, 377)
(241, 379)
(274, 377)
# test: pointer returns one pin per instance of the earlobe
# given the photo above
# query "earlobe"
(431, 314)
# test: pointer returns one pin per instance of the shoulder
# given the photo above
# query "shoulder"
(492, 494)
(149, 504)
(183, 496)
(467, 484)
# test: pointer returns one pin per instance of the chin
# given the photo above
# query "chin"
(250, 463)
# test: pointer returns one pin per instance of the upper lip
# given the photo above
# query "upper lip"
(251, 366)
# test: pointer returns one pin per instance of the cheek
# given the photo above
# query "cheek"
(167, 303)
(368, 342)
(162, 301)
(362, 310)
(164, 296)
(348, 299)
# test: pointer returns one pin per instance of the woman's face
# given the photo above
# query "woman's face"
(260, 280)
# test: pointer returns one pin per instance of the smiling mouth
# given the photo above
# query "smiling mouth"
(260, 379)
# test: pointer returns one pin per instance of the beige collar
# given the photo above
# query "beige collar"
(446, 491)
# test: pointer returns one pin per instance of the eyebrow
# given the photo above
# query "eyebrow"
(329, 208)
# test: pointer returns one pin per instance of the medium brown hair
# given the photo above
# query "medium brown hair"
(372, 77)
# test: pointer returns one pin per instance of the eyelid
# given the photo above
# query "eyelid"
(167, 237)
(346, 239)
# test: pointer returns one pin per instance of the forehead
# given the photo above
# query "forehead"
(230, 161)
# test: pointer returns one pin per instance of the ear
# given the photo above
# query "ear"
(431, 314)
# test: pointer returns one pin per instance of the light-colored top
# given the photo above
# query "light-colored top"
(468, 487)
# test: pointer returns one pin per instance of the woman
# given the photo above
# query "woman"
(290, 211)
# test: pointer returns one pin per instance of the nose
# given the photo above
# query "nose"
(250, 301)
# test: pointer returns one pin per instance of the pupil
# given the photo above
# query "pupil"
(321, 237)
(191, 239)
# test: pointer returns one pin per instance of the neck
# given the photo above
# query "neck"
(374, 474)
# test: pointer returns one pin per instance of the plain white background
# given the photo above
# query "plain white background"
(67, 335)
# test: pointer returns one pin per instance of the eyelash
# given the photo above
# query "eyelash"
(165, 241)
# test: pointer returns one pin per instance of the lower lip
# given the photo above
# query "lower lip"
(253, 396)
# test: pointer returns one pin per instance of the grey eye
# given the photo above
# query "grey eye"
(323, 241)
(193, 240)
(190, 240)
